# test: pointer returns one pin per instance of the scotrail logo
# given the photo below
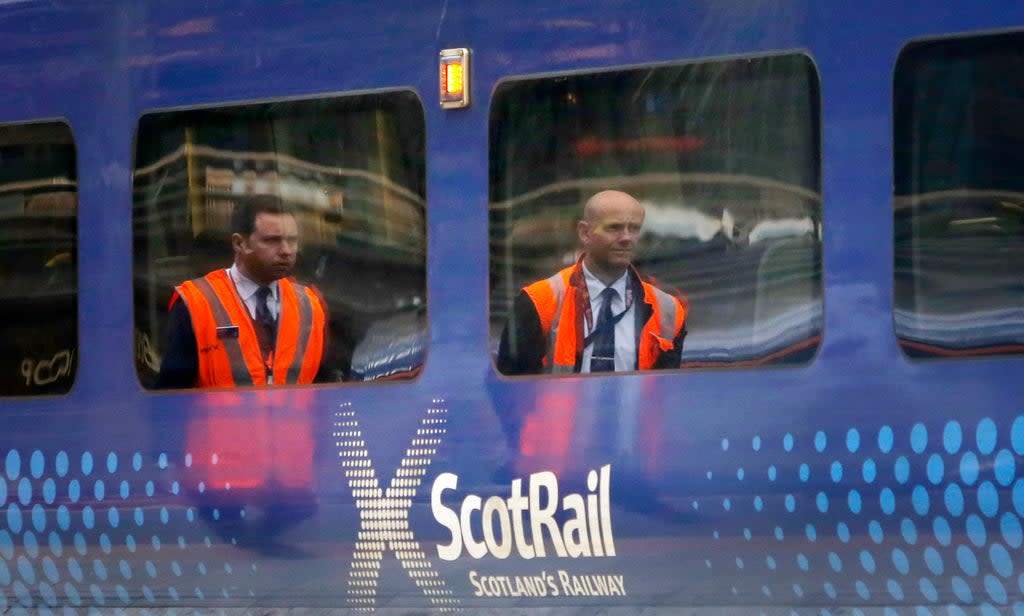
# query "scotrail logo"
(523, 519)
(535, 520)
(384, 513)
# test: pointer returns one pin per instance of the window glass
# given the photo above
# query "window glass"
(724, 158)
(959, 197)
(38, 206)
(349, 171)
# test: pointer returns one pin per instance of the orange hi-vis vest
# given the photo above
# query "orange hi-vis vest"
(562, 321)
(229, 350)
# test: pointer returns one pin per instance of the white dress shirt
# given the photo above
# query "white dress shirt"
(247, 292)
(625, 329)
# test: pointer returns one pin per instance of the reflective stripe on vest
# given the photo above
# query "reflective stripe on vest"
(666, 309)
(229, 353)
(558, 284)
(548, 297)
(232, 344)
(660, 330)
(299, 343)
(305, 325)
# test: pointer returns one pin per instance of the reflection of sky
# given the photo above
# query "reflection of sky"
(778, 332)
(684, 222)
(689, 222)
(786, 227)
(746, 303)
(970, 329)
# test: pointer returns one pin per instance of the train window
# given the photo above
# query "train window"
(959, 197)
(38, 205)
(281, 242)
(723, 160)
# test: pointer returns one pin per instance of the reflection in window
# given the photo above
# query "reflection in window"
(959, 204)
(349, 170)
(38, 269)
(725, 158)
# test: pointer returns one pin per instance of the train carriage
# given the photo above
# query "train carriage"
(834, 188)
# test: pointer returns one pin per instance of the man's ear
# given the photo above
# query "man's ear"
(583, 230)
(237, 242)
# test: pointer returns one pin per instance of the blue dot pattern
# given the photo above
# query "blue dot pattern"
(96, 531)
(936, 530)
(927, 519)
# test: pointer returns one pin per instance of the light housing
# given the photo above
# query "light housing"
(454, 78)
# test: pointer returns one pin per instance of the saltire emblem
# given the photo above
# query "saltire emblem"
(384, 513)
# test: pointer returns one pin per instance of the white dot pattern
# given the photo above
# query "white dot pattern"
(384, 513)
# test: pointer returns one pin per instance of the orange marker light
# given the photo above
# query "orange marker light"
(453, 79)
(454, 73)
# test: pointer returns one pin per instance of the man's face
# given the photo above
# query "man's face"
(610, 233)
(268, 253)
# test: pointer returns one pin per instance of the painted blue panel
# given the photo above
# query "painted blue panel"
(939, 434)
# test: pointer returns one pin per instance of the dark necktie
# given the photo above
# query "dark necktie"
(262, 310)
(603, 357)
(266, 324)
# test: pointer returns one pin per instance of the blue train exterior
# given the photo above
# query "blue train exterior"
(860, 481)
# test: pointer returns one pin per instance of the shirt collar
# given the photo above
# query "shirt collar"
(595, 286)
(246, 287)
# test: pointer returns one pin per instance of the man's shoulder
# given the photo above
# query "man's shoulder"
(211, 276)
(562, 276)
(200, 287)
(654, 290)
(547, 292)
(303, 287)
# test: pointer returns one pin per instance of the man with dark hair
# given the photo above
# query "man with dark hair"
(598, 315)
(249, 324)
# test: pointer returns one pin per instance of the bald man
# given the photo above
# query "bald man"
(598, 315)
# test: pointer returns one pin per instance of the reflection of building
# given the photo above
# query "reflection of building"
(38, 269)
(332, 204)
(317, 209)
(351, 169)
(53, 203)
(37, 240)
(348, 219)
